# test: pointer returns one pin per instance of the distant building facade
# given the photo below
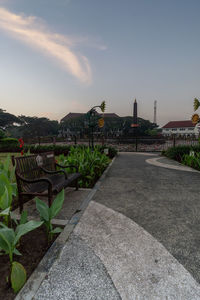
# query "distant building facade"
(180, 128)
(75, 124)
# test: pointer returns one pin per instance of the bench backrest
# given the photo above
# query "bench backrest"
(30, 166)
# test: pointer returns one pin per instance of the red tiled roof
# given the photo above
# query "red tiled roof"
(179, 124)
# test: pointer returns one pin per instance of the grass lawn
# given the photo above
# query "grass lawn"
(4, 155)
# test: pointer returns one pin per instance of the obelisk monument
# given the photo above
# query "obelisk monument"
(135, 119)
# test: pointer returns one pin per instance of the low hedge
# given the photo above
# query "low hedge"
(9, 145)
(64, 149)
(178, 152)
(12, 145)
(58, 149)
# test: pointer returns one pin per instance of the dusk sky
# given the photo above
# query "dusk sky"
(61, 56)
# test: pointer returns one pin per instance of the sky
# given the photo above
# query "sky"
(66, 56)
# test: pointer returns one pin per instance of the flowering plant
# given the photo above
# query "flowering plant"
(21, 145)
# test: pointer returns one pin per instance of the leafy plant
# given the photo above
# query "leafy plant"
(18, 276)
(48, 213)
(8, 189)
(7, 169)
(91, 164)
(177, 152)
(9, 240)
(192, 161)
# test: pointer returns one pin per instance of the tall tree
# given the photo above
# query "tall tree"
(35, 127)
(7, 119)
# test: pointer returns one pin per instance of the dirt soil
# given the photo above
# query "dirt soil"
(33, 246)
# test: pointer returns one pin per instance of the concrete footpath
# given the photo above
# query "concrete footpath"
(138, 239)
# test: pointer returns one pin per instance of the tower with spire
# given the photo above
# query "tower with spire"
(135, 119)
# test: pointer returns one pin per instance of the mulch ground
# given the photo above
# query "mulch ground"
(33, 246)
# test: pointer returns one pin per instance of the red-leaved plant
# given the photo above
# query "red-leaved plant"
(21, 145)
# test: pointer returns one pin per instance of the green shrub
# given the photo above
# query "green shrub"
(91, 164)
(177, 152)
(192, 161)
(58, 149)
(8, 141)
(112, 152)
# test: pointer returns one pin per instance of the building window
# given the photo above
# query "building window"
(174, 129)
(182, 129)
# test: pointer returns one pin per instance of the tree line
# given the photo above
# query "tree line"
(31, 127)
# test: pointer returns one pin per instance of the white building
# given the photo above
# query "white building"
(180, 128)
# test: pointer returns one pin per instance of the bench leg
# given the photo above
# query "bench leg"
(76, 184)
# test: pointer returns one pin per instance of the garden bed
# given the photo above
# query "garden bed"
(33, 247)
(186, 155)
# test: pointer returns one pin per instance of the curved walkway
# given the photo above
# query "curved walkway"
(140, 267)
(142, 232)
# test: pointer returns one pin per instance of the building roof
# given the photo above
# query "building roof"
(71, 116)
(179, 124)
(77, 115)
(110, 115)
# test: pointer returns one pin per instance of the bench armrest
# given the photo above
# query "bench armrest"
(70, 166)
(54, 172)
(47, 180)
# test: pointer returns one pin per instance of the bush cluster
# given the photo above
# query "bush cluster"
(90, 163)
(179, 152)
(192, 161)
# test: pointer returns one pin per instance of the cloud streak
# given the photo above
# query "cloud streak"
(33, 32)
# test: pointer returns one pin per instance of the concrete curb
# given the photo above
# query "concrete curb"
(177, 166)
(33, 283)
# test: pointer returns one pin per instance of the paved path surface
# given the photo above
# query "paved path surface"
(138, 239)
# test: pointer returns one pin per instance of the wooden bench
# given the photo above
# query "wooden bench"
(40, 175)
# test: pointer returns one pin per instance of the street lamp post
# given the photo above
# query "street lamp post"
(91, 114)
